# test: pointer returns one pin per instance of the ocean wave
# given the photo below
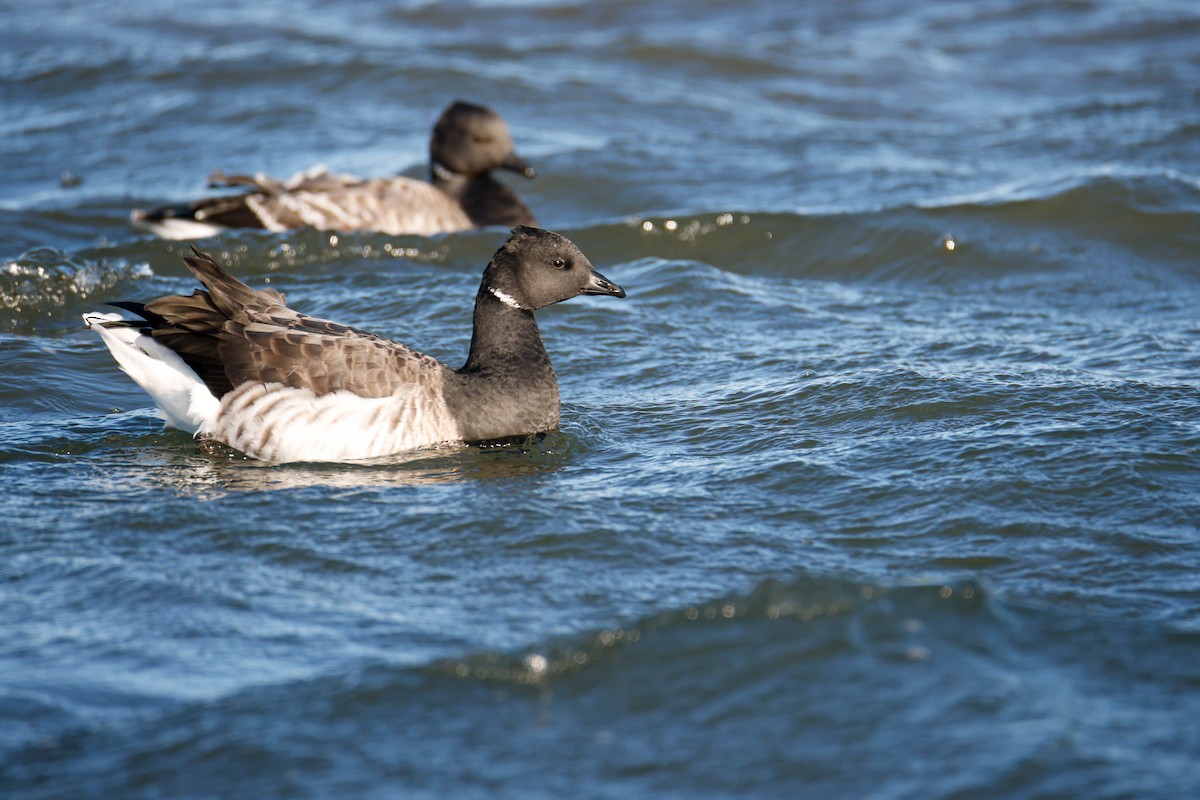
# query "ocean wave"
(39, 285)
(805, 602)
(45, 289)
(816, 683)
(1100, 228)
(1102, 223)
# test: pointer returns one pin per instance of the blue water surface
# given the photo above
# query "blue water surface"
(883, 481)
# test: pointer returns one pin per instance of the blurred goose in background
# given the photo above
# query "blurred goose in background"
(236, 365)
(468, 142)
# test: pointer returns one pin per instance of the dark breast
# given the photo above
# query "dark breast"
(489, 202)
(489, 407)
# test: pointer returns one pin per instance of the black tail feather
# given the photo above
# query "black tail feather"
(164, 212)
(139, 309)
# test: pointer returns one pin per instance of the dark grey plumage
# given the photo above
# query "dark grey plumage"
(287, 386)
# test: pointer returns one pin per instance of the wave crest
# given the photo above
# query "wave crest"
(1145, 225)
(39, 284)
(808, 601)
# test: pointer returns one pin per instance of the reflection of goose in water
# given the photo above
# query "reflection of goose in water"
(216, 470)
(467, 143)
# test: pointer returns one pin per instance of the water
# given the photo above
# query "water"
(884, 480)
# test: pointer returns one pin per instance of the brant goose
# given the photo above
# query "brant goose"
(467, 143)
(236, 365)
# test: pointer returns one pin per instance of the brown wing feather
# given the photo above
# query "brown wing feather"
(389, 205)
(259, 205)
(322, 356)
(232, 334)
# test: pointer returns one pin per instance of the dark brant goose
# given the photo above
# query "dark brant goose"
(237, 365)
(467, 143)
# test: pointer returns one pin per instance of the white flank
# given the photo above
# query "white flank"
(411, 206)
(274, 422)
(394, 206)
(183, 400)
(178, 229)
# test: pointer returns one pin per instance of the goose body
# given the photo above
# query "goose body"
(237, 365)
(467, 143)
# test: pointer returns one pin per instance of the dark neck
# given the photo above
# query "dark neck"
(503, 337)
(507, 388)
(486, 200)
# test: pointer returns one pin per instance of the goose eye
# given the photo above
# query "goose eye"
(560, 263)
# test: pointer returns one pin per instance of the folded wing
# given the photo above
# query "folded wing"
(231, 334)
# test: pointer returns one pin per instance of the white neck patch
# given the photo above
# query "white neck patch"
(442, 173)
(505, 298)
